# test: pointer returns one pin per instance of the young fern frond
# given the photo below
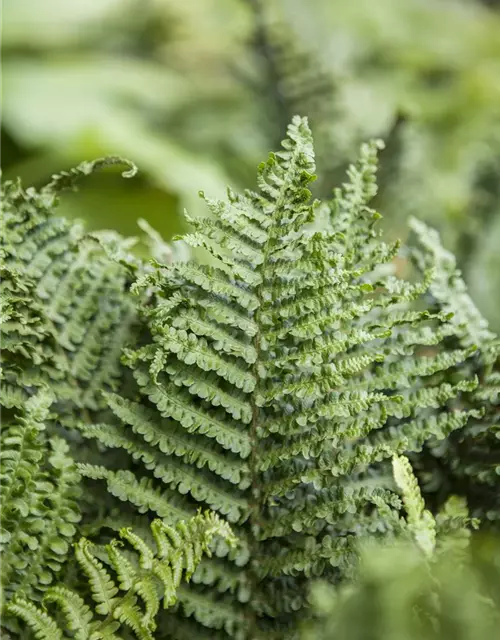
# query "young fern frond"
(278, 383)
(449, 531)
(420, 521)
(127, 589)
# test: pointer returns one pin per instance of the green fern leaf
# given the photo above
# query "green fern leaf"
(470, 459)
(75, 289)
(39, 494)
(133, 599)
(278, 383)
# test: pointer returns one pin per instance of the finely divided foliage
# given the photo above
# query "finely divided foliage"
(65, 318)
(471, 457)
(39, 494)
(277, 384)
(127, 599)
(83, 315)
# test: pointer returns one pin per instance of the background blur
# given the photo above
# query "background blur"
(196, 92)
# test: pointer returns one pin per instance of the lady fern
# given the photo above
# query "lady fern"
(39, 496)
(276, 385)
(76, 288)
(469, 461)
(130, 596)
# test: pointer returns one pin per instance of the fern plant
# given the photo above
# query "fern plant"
(130, 596)
(277, 384)
(412, 589)
(78, 292)
(64, 318)
(39, 495)
(469, 461)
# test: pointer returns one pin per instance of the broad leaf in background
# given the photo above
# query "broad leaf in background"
(85, 84)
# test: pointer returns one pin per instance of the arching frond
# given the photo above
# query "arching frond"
(277, 385)
(74, 288)
(127, 592)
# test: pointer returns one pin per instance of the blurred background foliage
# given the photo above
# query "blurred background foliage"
(196, 93)
(405, 597)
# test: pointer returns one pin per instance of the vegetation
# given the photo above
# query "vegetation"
(434, 584)
(196, 93)
(276, 379)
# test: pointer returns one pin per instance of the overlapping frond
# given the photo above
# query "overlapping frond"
(472, 456)
(73, 283)
(127, 589)
(31, 358)
(39, 492)
(65, 317)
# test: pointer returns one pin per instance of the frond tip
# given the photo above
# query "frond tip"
(420, 521)
(68, 179)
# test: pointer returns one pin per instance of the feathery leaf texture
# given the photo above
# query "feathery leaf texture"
(65, 317)
(277, 385)
(127, 589)
(420, 521)
(30, 354)
(39, 494)
(64, 296)
(472, 455)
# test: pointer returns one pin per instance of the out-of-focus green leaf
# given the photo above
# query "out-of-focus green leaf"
(484, 273)
(175, 87)
(399, 596)
(54, 23)
(68, 94)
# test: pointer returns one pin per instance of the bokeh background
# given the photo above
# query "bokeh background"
(196, 92)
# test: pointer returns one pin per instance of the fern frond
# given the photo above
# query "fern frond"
(42, 624)
(471, 458)
(39, 494)
(420, 521)
(31, 358)
(74, 286)
(277, 384)
(448, 287)
(129, 593)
